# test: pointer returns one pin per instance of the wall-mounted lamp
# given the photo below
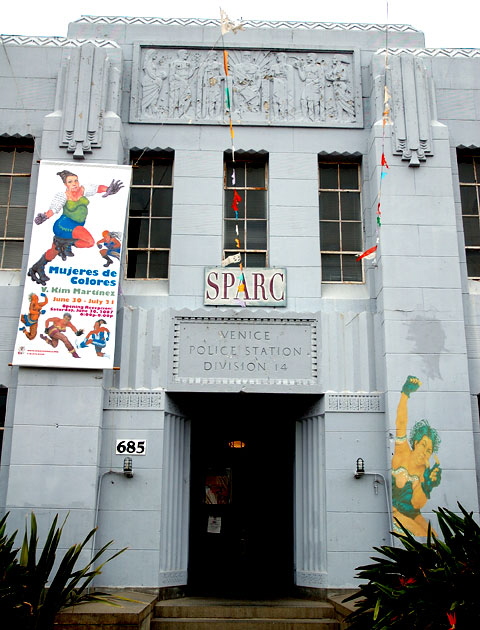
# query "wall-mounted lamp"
(128, 467)
(360, 468)
(236, 444)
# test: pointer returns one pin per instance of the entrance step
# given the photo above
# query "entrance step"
(195, 613)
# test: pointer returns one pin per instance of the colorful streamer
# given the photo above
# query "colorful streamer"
(228, 26)
(371, 253)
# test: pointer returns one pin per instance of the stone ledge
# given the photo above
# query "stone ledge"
(123, 615)
(343, 609)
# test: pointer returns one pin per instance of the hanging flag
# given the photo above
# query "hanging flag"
(236, 200)
(230, 260)
(384, 161)
(225, 61)
(368, 254)
(227, 25)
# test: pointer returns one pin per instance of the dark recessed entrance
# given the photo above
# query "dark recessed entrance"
(241, 499)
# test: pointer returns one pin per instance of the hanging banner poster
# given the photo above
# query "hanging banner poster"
(69, 303)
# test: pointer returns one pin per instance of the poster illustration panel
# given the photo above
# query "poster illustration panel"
(69, 304)
(414, 475)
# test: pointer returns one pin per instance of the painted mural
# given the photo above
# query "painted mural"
(69, 303)
(413, 475)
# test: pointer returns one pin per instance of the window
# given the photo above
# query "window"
(15, 172)
(150, 216)
(340, 222)
(469, 177)
(245, 231)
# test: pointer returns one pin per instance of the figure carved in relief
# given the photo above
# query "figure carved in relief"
(281, 75)
(340, 104)
(413, 479)
(180, 90)
(312, 99)
(68, 229)
(247, 83)
(211, 89)
(152, 83)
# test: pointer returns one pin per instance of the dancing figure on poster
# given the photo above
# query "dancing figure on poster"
(97, 337)
(68, 229)
(109, 246)
(30, 319)
(55, 328)
(413, 479)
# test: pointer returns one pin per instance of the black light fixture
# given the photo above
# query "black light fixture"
(128, 467)
(360, 468)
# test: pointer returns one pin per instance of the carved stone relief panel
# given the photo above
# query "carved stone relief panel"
(320, 89)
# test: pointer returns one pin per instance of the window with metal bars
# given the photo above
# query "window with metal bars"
(341, 233)
(15, 174)
(150, 216)
(246, 232)
(469, 177)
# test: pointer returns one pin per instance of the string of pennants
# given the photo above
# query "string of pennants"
(227, 26)
(371, 253)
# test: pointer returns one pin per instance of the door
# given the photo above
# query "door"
(241, 512)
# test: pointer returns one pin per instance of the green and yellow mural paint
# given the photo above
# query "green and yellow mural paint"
(413, 477)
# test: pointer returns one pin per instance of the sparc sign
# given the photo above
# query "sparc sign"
(248, 287)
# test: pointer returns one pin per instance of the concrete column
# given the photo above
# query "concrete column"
(175, 502)
(310, 505)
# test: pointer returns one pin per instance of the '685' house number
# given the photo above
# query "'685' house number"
(131, 447)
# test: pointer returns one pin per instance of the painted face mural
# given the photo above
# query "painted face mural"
(414, 475)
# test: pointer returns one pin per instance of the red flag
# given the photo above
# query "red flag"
(236, 200)
(384, 161)
(367, 253)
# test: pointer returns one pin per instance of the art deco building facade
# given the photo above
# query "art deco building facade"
(258, 358)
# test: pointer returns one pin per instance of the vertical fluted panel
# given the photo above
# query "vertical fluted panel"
(175, 498)
(310, 517)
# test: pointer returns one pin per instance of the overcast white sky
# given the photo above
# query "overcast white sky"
(445, 24)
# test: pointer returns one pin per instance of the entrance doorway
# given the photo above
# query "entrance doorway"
(241, 496)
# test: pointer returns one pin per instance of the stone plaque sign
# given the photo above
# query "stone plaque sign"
(316, 88)
(237, 350)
